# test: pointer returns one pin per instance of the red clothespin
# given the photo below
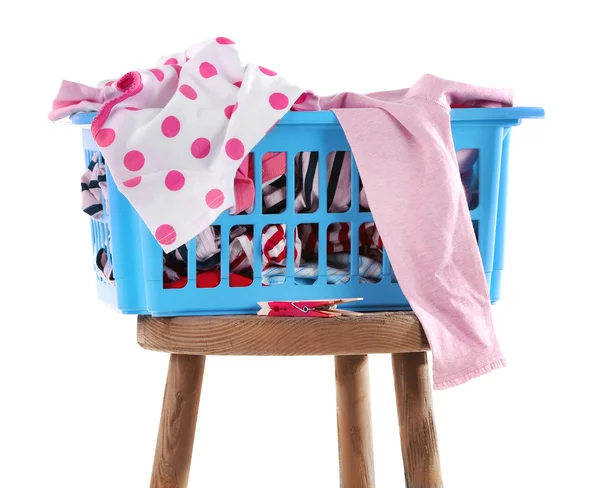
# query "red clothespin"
(306, 308)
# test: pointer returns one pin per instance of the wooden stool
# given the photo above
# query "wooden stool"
(349, 339)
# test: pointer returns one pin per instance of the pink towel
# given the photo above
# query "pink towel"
(405, 155)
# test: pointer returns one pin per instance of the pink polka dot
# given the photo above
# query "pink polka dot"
(165, 234)
(170, 126)
(105, 137)
(132, 108)
(177, 68)
(301, 98)
(215, 198)
(267, 71)
(188, 92)
(200, 148)
(230, 109)
(171, 61)
(238, 84)
(133, 182)
(207, 70)
(187, 59)
(234, 149)
(134, 160)
(158, 73)
(108, 83)
(174, 180)
(278, 101)
(224, 40)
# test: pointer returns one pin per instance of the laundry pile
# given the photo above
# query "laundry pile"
(178, 137)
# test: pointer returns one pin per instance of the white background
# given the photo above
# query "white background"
(80, 400)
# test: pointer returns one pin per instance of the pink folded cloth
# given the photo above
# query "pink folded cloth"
(403, 146)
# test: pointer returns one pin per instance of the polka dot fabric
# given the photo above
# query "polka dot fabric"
(176, 133)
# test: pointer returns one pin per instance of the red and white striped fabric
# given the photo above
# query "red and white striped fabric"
(274, 246)
(274, 249)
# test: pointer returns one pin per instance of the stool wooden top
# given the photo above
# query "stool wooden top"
(251, 335)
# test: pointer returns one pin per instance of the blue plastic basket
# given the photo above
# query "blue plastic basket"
(138, 259)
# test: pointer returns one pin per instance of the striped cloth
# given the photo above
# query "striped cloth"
(93, 188)
(306, 185)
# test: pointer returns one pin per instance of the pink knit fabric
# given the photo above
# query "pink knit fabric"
(405, 154)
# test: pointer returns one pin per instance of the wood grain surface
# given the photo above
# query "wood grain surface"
(178, 422)
(251, 335)
(415, 416)
(355, 440)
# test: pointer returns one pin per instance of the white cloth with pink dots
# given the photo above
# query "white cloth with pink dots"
(174, 136)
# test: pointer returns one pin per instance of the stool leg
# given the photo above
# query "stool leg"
(355, 440)
(178, 422)
(415, 416)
